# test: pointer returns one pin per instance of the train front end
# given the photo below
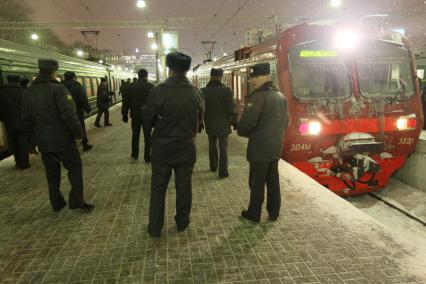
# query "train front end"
(355, 104)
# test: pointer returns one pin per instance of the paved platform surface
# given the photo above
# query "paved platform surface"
(319, 237)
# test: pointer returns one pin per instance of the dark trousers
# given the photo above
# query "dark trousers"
(106, 118)
(137, 124)
(83, 130)
(222, 157)
(159, 182)
(261, 173)
(18, 145)
(72, 162)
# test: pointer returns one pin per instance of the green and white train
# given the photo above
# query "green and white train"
(17, 59)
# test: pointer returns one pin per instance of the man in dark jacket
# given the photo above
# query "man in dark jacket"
(176, 108)
(218, 118)
(264, 121)
(17, 137)
(49, 112)
(103, 101)
(81, 103)
(136, 100)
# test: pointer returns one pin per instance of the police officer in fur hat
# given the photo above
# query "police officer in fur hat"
(135, 101)
(175, 109)
(264, 121)
(81, 102)
(10, 107)
(49, 112)
(103, 102)
(218, 118)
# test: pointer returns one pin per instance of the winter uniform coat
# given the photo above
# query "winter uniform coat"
(79, 96)
(10, 106)
(264, 121)
(103, 100)
(219, 104)
(175, 109)
(137, 98)
(48, 111)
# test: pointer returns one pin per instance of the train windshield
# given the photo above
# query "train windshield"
(317, 72)
(384, 70)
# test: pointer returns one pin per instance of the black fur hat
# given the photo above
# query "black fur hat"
(142, 73)
(69, 75)
(260, 69)
(178, 61)
(216, 72)
(49, 64)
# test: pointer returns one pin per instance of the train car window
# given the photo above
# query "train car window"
(88, 87)
(385, 70)
(318, 72)
(274, 77)
(95, 85)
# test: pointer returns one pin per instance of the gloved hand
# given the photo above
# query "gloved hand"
(125, 118)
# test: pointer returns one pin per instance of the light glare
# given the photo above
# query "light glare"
(141, 4)
(346, 40)
(336, 3)
(150, 34)
(34, 37)
(79, 53)
(154, 46)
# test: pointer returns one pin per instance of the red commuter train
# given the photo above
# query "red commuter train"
(353, 95)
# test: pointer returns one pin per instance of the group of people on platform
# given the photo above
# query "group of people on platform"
(170, 115)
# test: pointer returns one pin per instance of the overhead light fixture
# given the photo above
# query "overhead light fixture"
(137, 50)
(34, 37)
(150, 34)
(336, 3)
(101, 61)
(141, 4)
(225, 54)
(154, 46)
(80, 53)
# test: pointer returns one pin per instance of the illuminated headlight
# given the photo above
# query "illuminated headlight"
(347, 40)
(406, 122)
(310, 128)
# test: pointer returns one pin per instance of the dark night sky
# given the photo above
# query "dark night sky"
(48, 10)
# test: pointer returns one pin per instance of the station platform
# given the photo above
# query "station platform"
(319, 237)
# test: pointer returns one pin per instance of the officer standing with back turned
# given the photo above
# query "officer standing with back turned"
(218, 118)
(264, 121)
(49, 112)
(176, 108)
(136, 99)
(103, 102)
(10, 107)
(81, 103)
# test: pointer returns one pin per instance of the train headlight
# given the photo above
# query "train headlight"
(310, 127)
(346, 40)
(406, 122)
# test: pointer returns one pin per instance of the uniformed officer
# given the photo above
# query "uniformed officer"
(176, 108)
(103, 101)
(81, 102)
(264, 121)
(218, 118)
(11, 106)
(49, 112)
(137, 97)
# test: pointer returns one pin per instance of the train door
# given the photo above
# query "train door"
(239, 87)
(236, 79)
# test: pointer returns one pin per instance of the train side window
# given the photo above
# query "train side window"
(95, 85)
(88, 87)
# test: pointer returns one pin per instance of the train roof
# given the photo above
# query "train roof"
(17, 57)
